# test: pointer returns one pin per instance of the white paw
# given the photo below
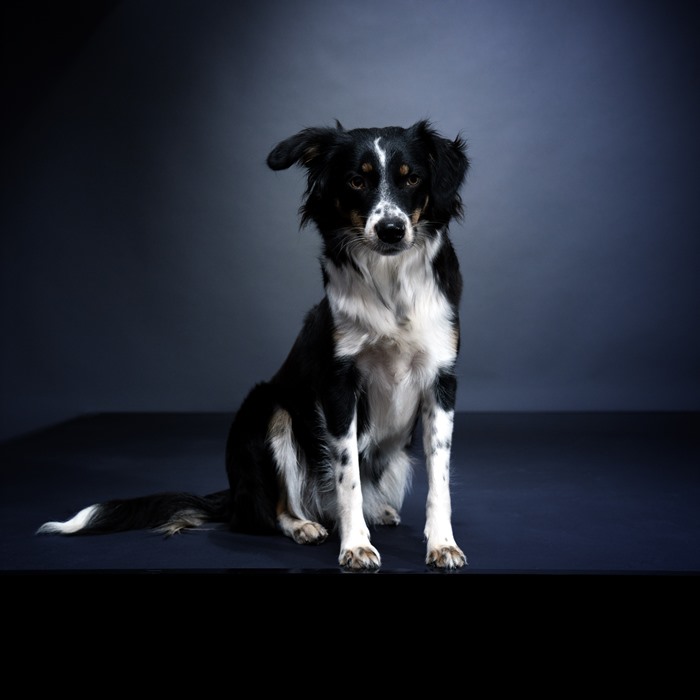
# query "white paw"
(308, 532)
(362, 558)
(446, 557)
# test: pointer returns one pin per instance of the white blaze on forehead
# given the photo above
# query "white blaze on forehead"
(385, 208)
(381, 153)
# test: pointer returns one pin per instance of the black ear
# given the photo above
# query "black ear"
(449, 165)
(313, 149)
(303, 148)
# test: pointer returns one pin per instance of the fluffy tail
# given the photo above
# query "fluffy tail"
(168, 513)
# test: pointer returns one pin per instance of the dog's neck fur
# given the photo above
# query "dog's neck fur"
(392, 302)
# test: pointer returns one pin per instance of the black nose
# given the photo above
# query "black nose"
(390, 231)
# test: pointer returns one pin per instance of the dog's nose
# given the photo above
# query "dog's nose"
(390, 231)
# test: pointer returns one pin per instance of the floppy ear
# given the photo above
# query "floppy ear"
(312, 149)
(303, 148)
(449, 165)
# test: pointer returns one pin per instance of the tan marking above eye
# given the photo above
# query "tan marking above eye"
(367, 168)
(404, 170)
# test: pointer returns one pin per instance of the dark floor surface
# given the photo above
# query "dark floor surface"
(533, 493)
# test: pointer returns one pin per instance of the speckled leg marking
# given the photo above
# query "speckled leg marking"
(443, 552)
(356, 551)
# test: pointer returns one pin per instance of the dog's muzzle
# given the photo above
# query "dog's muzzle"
(389, 229)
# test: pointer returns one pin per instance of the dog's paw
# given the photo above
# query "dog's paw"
(446, 557)
(360, 558)
(308, 532)
(389, 516)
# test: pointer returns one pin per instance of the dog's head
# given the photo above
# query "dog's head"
(385, 189)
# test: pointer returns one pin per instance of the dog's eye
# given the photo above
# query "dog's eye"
(357, 182)
(412, 180)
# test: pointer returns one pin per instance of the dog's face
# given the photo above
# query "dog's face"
(384, 190)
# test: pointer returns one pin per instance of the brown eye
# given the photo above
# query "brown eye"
(412, 180)
(357, 182)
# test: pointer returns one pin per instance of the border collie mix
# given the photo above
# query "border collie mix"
(326, 442)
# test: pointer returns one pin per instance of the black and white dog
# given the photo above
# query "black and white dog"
(326, 442)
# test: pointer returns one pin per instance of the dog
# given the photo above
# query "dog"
(325, 445)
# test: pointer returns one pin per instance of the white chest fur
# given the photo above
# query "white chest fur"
(394, 322)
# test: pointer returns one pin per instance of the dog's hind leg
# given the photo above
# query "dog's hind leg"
(300, 530)
(291, 483)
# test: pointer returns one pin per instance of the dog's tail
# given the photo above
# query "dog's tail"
(167, 513)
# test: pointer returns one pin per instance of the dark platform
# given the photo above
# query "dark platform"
(533, 493)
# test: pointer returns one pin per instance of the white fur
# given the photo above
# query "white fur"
(281, 440)
(396, 300)
(305, 502)
(437, 441)
(381, 153)
(356, 551)
(77, 522)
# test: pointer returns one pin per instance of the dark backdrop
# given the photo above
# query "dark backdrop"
(151, 261)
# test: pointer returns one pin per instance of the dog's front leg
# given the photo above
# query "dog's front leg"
(356, 551)
(438, 421)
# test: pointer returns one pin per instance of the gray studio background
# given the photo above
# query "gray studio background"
(151, 261)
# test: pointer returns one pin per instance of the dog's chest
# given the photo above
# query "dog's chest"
(402, 356)
(397, 326)
(395, 371)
